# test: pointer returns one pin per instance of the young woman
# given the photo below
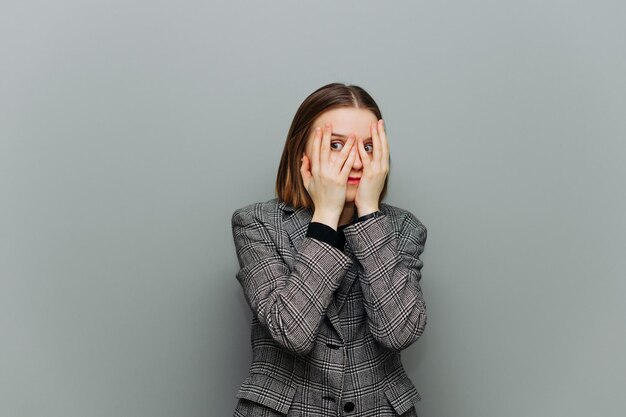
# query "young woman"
(330, 272)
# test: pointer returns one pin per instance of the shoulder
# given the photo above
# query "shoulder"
(263, 211)
(402, 218)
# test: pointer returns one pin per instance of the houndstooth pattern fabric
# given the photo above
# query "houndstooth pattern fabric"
(328, 326)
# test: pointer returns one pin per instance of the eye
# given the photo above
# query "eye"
(369, 147)
(336, 146)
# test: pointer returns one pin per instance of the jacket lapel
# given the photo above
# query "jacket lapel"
(296, 223)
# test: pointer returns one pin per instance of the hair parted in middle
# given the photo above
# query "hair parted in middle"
(289, 185)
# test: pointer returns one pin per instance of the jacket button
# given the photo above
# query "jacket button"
(349, 406)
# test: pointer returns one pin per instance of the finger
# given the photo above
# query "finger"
(347, 167)
(315, 154)
(347, 147)
(384, 144)
(365, 158)
(376, 142)
(325, 151)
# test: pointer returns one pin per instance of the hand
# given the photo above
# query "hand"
(375, 170)
(325, 176)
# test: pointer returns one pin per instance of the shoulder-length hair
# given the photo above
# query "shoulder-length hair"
(289, 185)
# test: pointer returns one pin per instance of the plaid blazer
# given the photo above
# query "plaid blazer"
(328, 326)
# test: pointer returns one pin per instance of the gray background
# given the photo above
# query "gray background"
(130, 131)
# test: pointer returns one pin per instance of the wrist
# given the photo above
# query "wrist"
(327, 217)
(367, 210)
(370, 216)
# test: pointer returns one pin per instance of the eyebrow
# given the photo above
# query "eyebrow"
(339, 135)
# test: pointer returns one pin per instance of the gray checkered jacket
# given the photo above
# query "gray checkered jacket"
(328, 326)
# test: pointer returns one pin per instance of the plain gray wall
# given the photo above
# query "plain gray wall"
(131, 130)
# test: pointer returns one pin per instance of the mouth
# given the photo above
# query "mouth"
(354, 180)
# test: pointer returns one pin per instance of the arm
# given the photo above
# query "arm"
(290, 304)
(391, 271)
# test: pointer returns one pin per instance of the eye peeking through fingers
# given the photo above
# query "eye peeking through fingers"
(336, 146)
(369, 147)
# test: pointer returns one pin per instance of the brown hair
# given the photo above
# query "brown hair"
(289, 185)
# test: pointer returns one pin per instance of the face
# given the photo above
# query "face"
(346, 120)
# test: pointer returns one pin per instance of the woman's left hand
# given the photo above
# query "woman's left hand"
(375, 170)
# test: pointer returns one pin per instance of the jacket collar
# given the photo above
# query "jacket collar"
(285, 206)
(295, 222)
(290, 212)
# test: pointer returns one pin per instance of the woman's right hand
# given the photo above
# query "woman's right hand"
(325, 176)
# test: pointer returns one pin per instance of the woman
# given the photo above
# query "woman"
(330, 272)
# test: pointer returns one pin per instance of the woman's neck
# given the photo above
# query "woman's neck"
(346, 214)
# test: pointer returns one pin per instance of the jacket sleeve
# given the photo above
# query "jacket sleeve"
(391, 271)
(289, 303)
